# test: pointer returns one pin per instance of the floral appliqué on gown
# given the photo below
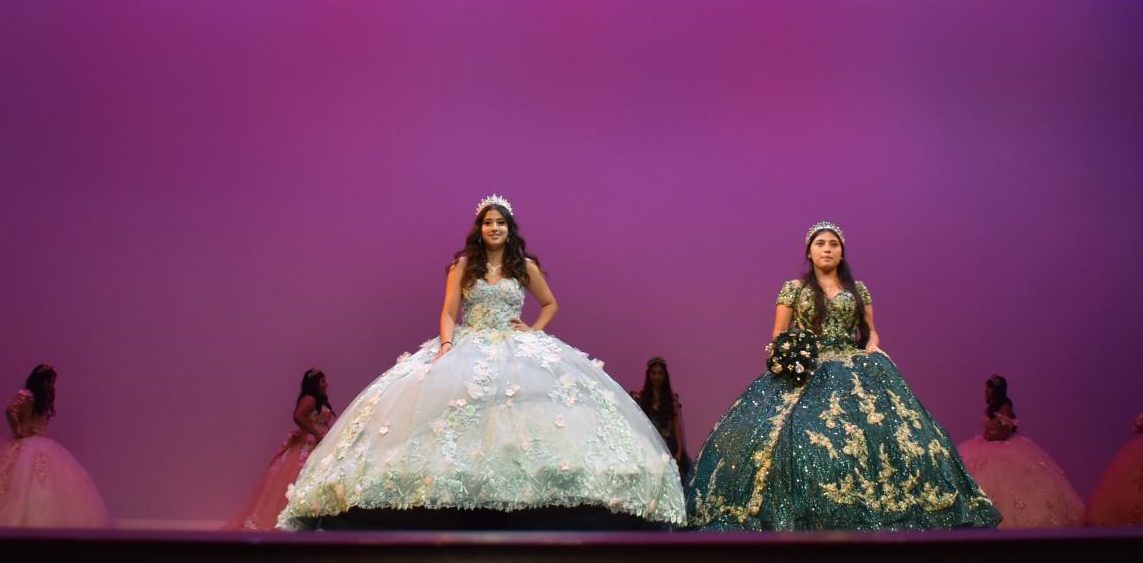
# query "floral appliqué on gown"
(505, 420)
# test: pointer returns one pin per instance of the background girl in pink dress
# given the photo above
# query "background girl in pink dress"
(1025, 484)
(313, 416)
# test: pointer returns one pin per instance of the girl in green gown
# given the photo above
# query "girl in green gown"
(848, 446)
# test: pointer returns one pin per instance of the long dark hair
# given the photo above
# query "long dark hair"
(41, 383)
(516, 254)
(810, 280)
(998, 396)
(311, 385)
(666, 395)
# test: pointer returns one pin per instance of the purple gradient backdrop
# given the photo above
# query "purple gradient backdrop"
(202, 199)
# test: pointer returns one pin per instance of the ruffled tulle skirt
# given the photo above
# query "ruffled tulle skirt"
(269, 497)
(504, 421)
(43, 486)
(1026, 485)
(852, 448)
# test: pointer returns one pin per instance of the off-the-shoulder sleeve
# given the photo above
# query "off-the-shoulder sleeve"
(866, 298)
(789, 292)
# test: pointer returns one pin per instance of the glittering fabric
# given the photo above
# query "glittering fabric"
(505, 420)
(853, 448)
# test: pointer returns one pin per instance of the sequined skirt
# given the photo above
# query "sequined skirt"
(853, 448)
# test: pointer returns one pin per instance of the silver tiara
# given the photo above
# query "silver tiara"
(498, 200)
(825, 226)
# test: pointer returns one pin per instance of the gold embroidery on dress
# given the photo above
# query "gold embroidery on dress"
(909, 447)
(866, 402)
(831, 415)
(887, 497)
(843, 357)
(887, 469)
(933, 500)
(855, 444)
(883, 494)
(706, 511)
(936, 449)
(906, 413)
(840, 493)
(764, 457)
(823, 441)
(978, 501)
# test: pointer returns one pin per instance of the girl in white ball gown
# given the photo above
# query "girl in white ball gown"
(493, 424)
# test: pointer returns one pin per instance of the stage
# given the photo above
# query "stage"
(978, 546)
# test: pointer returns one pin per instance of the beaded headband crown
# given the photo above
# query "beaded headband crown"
(493, 199)
(825, 226)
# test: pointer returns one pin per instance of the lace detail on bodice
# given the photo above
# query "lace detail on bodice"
(493, 305)
(23, 423)
(839, 328)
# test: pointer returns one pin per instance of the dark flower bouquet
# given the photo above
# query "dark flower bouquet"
(794, 355)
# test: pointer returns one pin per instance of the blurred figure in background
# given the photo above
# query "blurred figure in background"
(41, 484)
(313, 415)
(1026, 485)
(661, 405)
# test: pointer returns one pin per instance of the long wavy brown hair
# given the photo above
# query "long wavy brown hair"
(514, 264)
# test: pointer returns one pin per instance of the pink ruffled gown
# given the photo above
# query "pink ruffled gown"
(269, 497)
(41, 484)
(1118, 496)
(1026, 485)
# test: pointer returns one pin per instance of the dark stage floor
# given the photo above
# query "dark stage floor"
(978, 546)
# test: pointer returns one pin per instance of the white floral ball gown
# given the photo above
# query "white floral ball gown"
(505, 421)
